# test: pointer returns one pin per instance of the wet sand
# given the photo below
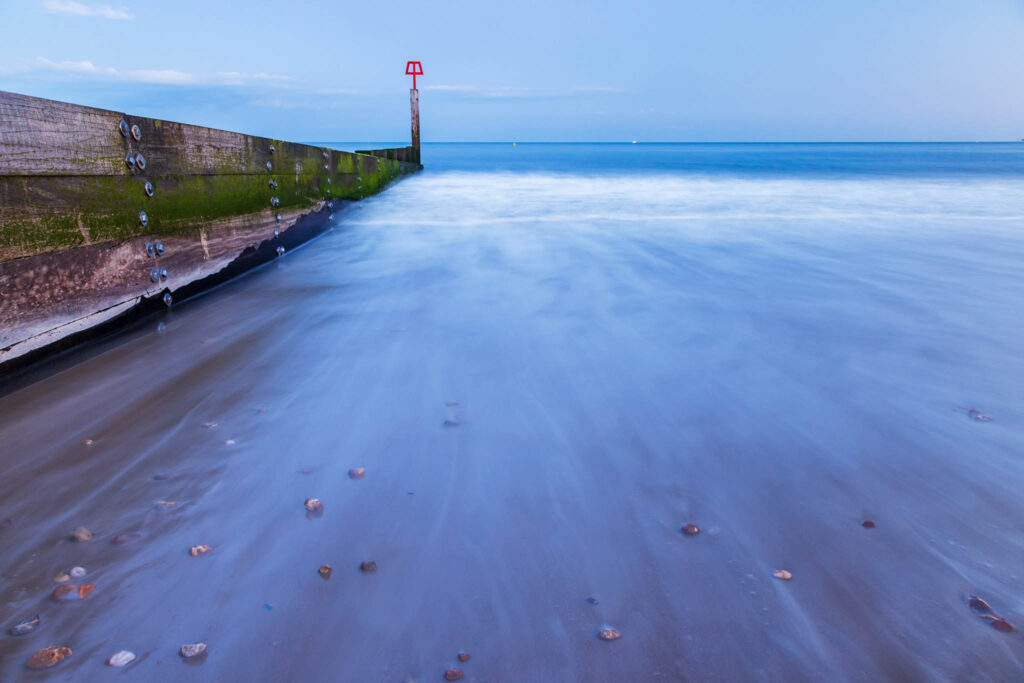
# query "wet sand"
(540, 406)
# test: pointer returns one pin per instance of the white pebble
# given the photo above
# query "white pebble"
(193, 650)
(122, 658)
(79, 572)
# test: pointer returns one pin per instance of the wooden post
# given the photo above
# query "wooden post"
(414, 101)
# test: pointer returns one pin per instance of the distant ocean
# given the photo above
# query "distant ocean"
(549, 358)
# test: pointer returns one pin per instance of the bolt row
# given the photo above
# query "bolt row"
(137, 162)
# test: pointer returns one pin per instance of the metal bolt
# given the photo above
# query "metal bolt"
(280, 251)
(278, 218)
(159, 248)
(274, 201)
(277, 233)
(163, 273)
(325, 155)
(273, 184)
(129, 160)
(154, 274)
(328, 191)
(270, 166)
(143, 219)
(360, 187)
(359, 178)
(330, 205)
(148, 187)
(140, 161)
(168, 300)
(328, 180)
(123, 127)
(271, 149)
(326, 167)
(136, 132)
(150, 250)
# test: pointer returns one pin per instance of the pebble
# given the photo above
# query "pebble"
(121, 539)
(122, 658)
(979, 605)
(592, 600)
(978, 416)
(81, 534)
(192, 650)
(229, 442)
(453, 674)
(325, 571)
(89, 442)
(65, 592)
(85, 589)
(782, 574)
(24, 627)
(463, 656)
(77, 572)
(609, 634)
(691, 529)
(1000, 624)
(197, 550)
(48, 656)
(61, 578)
(209, 425)
(357, 472)
(314, 505)
(368, 567)
(868, 524)
(166, 504)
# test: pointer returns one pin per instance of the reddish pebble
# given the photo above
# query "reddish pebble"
(121, 539)
(1003, 625)
(609, 634)
(691, 529)
(978, 605)
(81, 534)
(368, 567)
(325, 571)
(197, 550)
(453, 674)
(48, 656)
(357, 472)
(85, 590)
(868, 524)
(314, 505)
(463, 656)
(65, 592)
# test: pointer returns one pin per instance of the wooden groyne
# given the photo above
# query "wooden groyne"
(105, 216)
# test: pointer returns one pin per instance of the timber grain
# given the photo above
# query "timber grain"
(73, 250)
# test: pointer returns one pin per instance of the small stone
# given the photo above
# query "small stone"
(868, 524)
(592, 600)
(61, 578)
(24, 627)
(77, 572)
(85, 590)
(978, 416)
(782, 574)
(89, 442)
(122, 658)
(65, 592)
(193, 650)
(453, 674)
(81, 534)
(229, 442)
(314, 505)
(368, 567)
(609, 634)
(197, 550)
(1000, 624)
(209, 425)
(463, 656)
(166, 504)
(48, 656)
(691, 529)
(978, 605)
(357, 472)
(325, 571)
(122, 539)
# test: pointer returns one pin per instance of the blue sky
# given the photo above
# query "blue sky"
(730, 70)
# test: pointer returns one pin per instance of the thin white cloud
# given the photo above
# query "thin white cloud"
(78, 9)
(159, 76)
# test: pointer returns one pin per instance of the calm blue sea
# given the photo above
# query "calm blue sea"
(549, 358)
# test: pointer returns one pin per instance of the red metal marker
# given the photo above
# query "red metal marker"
(413, 69)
